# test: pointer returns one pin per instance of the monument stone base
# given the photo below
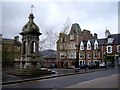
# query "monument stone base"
(26, 72)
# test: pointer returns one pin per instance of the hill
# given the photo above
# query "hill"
(46, 52)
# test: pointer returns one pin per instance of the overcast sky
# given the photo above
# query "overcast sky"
(93, 16)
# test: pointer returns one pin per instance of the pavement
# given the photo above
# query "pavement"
(59, 73)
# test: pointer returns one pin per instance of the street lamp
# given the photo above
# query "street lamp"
(77, 56)
(105, 59)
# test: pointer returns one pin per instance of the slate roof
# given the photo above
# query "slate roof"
(11, 41)
(104, 40)
(100, 41)
(116, 38)
(75, 29)
(30, 27)
(7, 40)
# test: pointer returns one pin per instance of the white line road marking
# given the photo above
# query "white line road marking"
(99, 82)
(97, 79)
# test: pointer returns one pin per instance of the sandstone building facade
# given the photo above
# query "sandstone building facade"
(11, 49)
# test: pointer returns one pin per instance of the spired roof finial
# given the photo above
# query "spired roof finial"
(106, 28)
(32, 6)
(30, 27)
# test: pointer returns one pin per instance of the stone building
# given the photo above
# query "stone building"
(50, 60)
(11, 49)
(91, 49)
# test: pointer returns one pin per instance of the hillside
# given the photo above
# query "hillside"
(46, 52)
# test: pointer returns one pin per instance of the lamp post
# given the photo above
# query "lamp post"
(116, 60)
(77, 56)
(105, 59)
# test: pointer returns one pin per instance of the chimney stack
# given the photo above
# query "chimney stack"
(95, 36)
(16, 38)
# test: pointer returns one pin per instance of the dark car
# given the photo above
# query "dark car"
(102, 65)
(85, 66)
(108, 63)
(92, 65)
(77, 69)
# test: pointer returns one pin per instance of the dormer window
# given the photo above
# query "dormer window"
(96, 45)
(81, 46)
(110, 40)
(88, 45)
(72, 36)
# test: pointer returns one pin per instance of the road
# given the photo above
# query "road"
(104, 82)
(8, 77)
(66, 81)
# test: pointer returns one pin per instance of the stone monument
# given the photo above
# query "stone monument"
(29, 63)
(30, 45)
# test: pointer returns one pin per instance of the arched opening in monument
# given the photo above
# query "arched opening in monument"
(24, 47)
(33, 47)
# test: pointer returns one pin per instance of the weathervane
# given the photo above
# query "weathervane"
(32, 6)
(106, 28)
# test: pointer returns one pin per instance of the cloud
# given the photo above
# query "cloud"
(95, 16)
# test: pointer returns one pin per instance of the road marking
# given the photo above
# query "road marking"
(97, 79)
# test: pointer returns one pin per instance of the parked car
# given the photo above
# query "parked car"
(72, 67)
(85, 66)
(77, 69)
(102, 65)
(92, 65)
(108, 63)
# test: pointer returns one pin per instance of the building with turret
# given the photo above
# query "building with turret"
(66, 50)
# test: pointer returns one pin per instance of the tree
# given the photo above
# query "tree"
(49, 41)
(66, 26)
(42, 44)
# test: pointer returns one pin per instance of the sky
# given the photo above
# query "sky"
(93, 16)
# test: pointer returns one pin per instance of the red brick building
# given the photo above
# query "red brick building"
(66, 50)
(91, 49)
